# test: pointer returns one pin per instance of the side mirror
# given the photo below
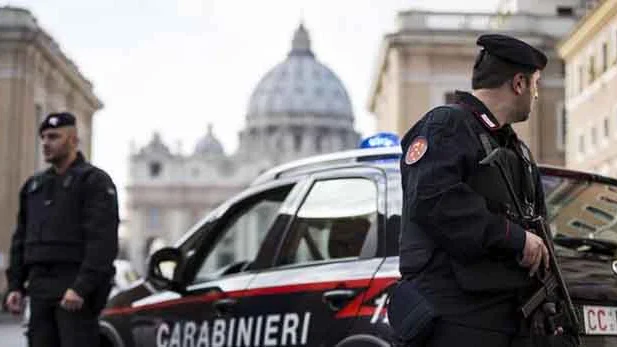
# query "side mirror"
(163, 267)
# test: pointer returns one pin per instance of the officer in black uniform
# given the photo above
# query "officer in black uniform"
(464, 259)
(65, 242)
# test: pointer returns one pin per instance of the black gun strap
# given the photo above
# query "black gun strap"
(486, 141)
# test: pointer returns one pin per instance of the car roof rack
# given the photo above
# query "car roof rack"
(356, 155)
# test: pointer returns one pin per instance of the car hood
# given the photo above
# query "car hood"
(588, 276)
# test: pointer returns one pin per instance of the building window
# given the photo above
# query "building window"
(582, 226)
(581, 144)
(565, 11)
(607, 127)
(561, 126)
(450, 97)
(155, 169)
(581, 78)
(592, 69)
(153, 221)
(615, 58)
(604, 57)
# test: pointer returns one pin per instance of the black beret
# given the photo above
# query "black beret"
(513, 50)
(57, 120)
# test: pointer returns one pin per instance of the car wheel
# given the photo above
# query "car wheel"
(363, 341)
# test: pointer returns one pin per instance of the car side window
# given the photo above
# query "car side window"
(333, 221)
(239, 239)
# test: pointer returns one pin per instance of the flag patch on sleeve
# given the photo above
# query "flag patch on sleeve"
(416, 150)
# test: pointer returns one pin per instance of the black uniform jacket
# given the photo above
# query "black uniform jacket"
(458, 246)
(68, 220)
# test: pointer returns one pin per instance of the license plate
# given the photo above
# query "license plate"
(600, 320)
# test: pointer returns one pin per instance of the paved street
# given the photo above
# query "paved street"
(11, 332)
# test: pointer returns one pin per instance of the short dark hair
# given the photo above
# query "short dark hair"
(491, 72)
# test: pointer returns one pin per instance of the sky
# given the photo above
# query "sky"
(174, 66)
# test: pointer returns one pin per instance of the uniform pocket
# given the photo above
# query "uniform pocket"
(411, 316)
(64, 233)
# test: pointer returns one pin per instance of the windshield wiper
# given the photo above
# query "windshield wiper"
(581, 244)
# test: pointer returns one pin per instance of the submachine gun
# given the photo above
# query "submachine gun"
(552, 296)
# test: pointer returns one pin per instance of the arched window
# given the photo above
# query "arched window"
(155, 169)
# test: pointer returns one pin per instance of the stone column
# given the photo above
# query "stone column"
(288, 145)
(308, 142)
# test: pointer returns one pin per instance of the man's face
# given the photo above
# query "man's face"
(58, 144)
(527, 90)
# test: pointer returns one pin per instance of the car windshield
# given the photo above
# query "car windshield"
(581, 208)
(578, 208)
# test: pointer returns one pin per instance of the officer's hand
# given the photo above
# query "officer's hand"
(15, 302)
(534, 254)
(71, 300)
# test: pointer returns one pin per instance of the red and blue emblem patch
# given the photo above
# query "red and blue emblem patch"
(416, 150)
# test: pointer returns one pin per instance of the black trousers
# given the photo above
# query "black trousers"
(51, 325)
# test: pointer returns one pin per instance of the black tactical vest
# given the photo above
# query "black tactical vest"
(495, 273)
(53, 216)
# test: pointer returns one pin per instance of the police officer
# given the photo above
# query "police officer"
(464, 259)
(65, 242)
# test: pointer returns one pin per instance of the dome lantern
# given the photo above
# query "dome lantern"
(301, 43)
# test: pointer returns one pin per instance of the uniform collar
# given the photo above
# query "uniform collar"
(79, 160)
(477, 107)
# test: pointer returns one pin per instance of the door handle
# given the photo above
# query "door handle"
(337, 298)
(224, 306)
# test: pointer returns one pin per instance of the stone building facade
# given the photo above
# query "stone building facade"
(431, 54)
(590, 55)
(36, 78)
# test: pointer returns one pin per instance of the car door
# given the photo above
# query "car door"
(216, 273)
(315, 289)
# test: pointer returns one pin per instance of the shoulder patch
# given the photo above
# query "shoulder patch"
(488, 122)
(416, 150)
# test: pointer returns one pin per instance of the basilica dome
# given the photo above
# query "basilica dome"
(300, 85)
(209, 144)
(298, 109)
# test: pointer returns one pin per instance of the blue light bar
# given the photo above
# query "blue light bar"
(381, 139)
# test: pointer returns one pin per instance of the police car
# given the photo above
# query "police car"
(305, 255)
